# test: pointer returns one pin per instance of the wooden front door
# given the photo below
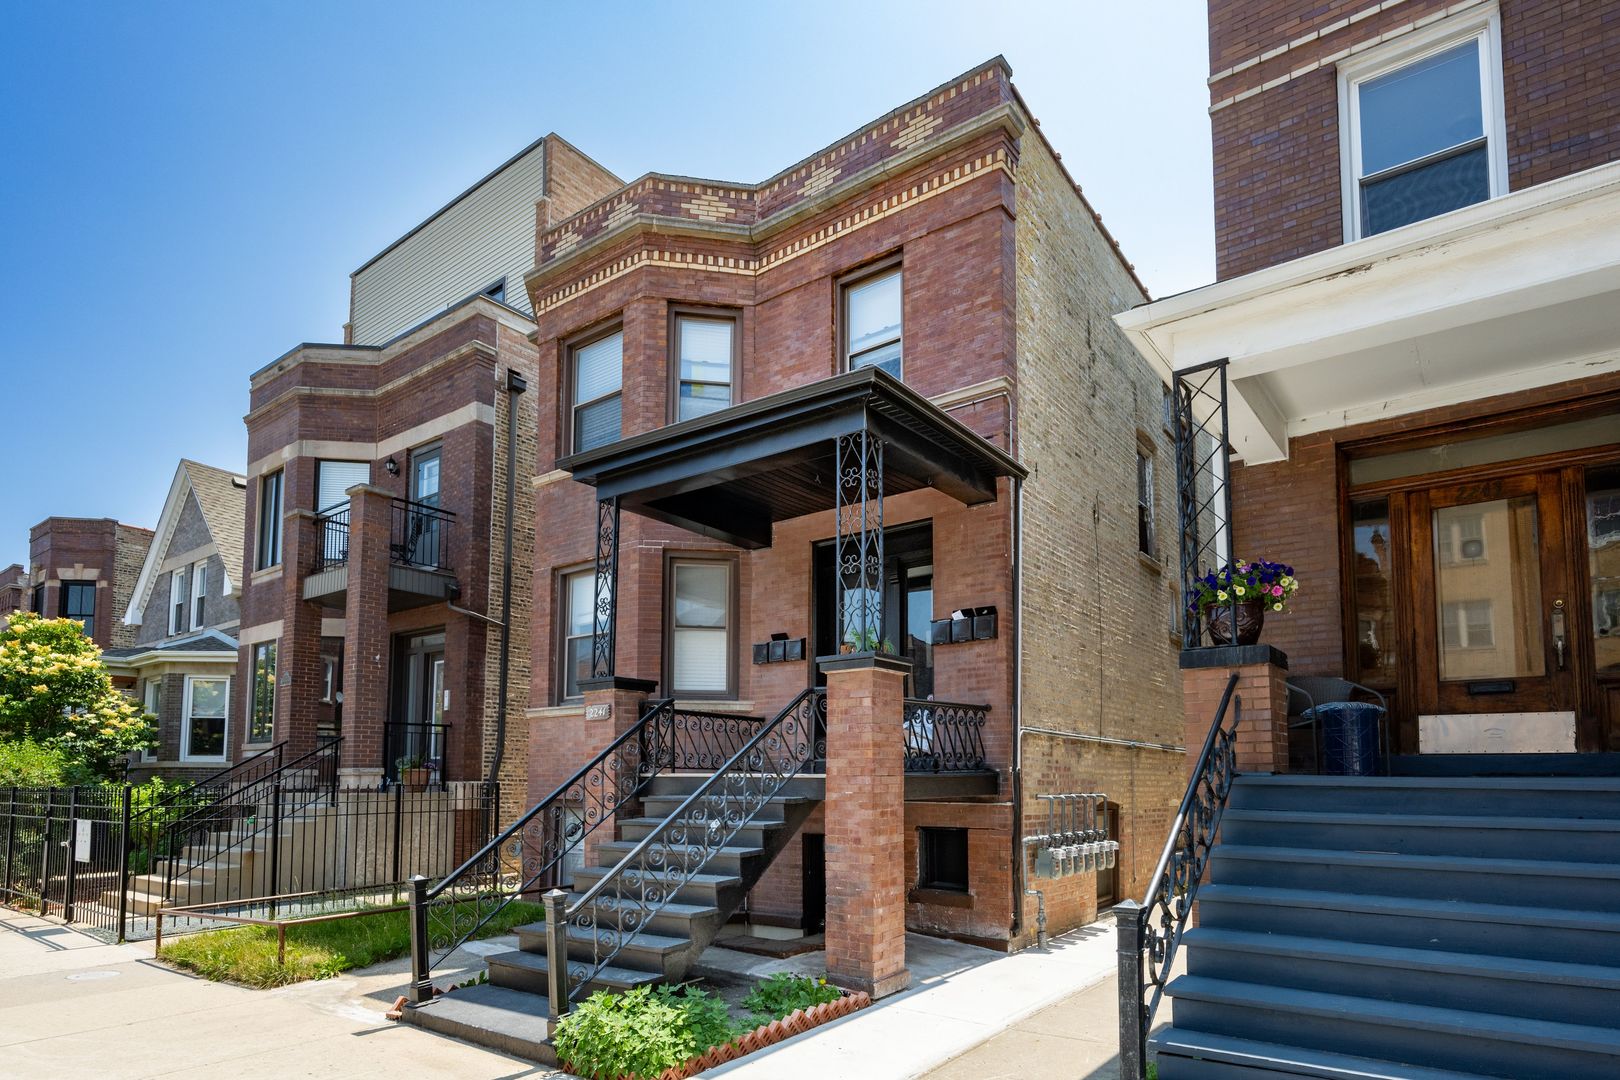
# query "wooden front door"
(1493, 606)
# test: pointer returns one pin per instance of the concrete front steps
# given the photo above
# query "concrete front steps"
(1410, 927)
(511, 1012)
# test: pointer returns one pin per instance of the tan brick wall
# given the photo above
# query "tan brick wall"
(128, 558)
(1098, 653)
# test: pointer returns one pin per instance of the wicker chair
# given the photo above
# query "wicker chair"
(1308, 691)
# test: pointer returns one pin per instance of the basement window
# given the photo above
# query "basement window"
(942, 859)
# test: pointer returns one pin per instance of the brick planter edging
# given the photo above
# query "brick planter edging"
(766, 1035)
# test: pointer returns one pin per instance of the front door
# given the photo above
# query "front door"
(1493, 615)
(417, 731)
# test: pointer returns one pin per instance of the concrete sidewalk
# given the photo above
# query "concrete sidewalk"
(961, 997)
(73, 1006)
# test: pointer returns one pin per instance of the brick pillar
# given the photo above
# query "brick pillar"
(299, 672)
(365, 637)
(612, 706)
(1262, 737)
(866, 813)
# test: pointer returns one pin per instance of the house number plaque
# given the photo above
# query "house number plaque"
(599, 712)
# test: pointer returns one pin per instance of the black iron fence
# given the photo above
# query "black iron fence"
(111, 857)
(944, 736)
(334, 530)
(419, 535)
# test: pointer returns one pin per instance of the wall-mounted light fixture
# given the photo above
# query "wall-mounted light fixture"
(392, 466)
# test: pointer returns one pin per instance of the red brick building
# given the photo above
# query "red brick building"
(86, 569)
(944, 247)
(14, 592)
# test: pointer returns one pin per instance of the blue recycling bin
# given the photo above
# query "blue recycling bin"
(1349, 737)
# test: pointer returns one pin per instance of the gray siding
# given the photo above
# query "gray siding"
(190, 533)
(485, 235)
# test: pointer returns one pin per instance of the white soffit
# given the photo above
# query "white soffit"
(1518, 292)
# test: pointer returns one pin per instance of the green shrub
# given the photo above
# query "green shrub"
(782, 993)
(27, 764)
(641, 1033)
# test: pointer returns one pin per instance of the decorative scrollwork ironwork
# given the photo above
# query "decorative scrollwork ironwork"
(605, 599)
(944, 736)
(625, 901)
(858, 544)
(1203, 484)
(1174, 886)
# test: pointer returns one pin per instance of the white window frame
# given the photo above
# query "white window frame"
(177, 600)
(1485, 25)
(199, 593)
(185, 721)
(1458, 610)
(846, 286)
(565, 620)
(152, 703)
(254, 651)
(673, 628)
(267, 536)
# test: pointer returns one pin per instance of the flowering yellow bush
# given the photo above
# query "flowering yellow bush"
(55, 691)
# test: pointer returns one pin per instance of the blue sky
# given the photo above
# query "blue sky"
(184, 189)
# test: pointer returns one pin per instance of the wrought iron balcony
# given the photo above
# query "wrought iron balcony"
(419, 535)
(419, 566)
(944, 736)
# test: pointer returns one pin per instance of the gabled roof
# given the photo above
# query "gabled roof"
(222, 498)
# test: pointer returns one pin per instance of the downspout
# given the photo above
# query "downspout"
(1018, 875)
(515, 385)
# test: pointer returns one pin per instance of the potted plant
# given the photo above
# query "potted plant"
(414, 772)
(866, 641)
(1252, 589)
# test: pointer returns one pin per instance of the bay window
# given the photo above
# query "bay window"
(598, 383)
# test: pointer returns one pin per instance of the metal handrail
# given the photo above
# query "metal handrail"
(1155, 927)
(954, 735)
(567, 979)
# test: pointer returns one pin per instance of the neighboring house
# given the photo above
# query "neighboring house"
(183, 611)
(375, 576)
(937, 282)
(1414, 344)
(14, 595)
(85, 569)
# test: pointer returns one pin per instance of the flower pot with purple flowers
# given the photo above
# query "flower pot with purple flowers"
(1246, 590)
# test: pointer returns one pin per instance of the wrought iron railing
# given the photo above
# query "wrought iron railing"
(1150, 934)
(1203, 488)
(333, 524)
(624, 901)
(944, 736)
(215, 852)
(419, 535)
(408, 745)
(446, 915)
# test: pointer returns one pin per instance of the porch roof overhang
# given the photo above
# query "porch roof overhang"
(1496, 298)
(735, 473)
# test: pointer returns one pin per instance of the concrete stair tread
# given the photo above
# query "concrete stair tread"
(1516, 783)
(680, 911)
(1411, 905)
(1450, 863)
(1437, 821)
(594, 873)
(508, 1020)
(628, 846)
(641, 942)
(1460, 963)
(756, 823)
(1456, 1022)
(1290, 1060)
(617, 977)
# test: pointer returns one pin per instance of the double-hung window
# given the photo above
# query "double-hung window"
(202, 736)
(1423, 128)
(262, 707)
(598, 382)
(1144, 502)
(699, 633)
(579, 603)
(152, 698)
(872, 322)
(269, 541)
(79, 602)
(199, 592)
(177, 600)
(705, 350)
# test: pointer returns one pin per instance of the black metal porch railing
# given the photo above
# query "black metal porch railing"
(419, 535)
(1203, 489)
(408, 746)
(625, 901)
(944, 736)
(1150, 933)
(333, 524)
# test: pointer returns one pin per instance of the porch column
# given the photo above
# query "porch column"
(1262, 737)
(365, 638)
(866, 843)
(298, 651)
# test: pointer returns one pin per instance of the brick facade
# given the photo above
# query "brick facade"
(1009, 282)
(90, 549)
(14, 591)
(1275, 121)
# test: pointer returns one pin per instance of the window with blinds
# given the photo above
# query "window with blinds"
(333, 479)
(704, 346)
(872, 322)
(700, 628)
(598, 379)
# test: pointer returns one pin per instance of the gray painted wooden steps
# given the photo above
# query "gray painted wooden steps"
(510, 1012)
(1410, 927)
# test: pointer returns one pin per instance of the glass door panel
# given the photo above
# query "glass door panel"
(1488, 608)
